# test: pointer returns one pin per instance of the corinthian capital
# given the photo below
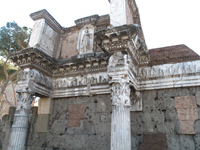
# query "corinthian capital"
(120, 94)
(24, 99)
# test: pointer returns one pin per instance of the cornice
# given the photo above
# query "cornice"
(125, 39)
(36, 59)
(44, 14)
(87, 20)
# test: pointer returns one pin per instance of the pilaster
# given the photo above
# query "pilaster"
(20, 124)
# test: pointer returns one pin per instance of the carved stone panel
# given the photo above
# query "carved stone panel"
(85, 39)
(187, 113)
(75, 113)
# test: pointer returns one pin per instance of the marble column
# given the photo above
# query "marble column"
(120, 118)
(20, 124)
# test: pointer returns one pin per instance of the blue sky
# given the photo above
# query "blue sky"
(164, 22)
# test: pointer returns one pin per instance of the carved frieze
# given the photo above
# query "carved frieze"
(36, 76)
(80, 80)
(170, 69)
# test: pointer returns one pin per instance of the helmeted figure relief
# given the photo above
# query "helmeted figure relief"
(85, 40)
(86, 44)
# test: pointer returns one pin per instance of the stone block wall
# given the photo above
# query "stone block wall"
(161, 125)
(84, 123)
(81, 123)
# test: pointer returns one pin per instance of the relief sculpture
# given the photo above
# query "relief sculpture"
(80, 80)
(85, 39)
(120, 93)
(170, 69)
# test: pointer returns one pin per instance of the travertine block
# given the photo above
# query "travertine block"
(75, 113)
(42, 123)
(45, 106)
(187, 113)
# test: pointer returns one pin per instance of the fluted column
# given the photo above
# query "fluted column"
(120, 118)
(20, 124)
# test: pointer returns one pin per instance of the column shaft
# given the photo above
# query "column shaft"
(20, 124)
(120, 128)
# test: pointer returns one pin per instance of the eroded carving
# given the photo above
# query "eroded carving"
(170, 69)
(37, 76)
(24, 99)
(136, 101)
(85, 39)
(120, 93)
(80, 80)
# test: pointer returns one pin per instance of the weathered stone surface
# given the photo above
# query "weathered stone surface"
(197, 141)
(187, 113)
(37, 33)
(76, 114)
(187, 142)
(120, 13)
(45, 106)
(197, 127)
(173, 142)
(48, 40)
(153, 142)
(198, 97)
(68, 45)
(42, 123)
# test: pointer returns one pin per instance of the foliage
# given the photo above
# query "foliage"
(13, 38)
(10, 68)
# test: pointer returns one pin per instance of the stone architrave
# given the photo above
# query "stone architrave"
(187, 113)
(85, 39)
(20, 125)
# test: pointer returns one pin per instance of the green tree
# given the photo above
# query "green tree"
(13, 38)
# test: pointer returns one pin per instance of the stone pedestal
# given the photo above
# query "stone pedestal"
(20, 125)
(120, 12)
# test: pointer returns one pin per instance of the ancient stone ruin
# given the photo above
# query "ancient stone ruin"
(102, 89)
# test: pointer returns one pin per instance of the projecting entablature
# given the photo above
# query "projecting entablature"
(125, 39)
